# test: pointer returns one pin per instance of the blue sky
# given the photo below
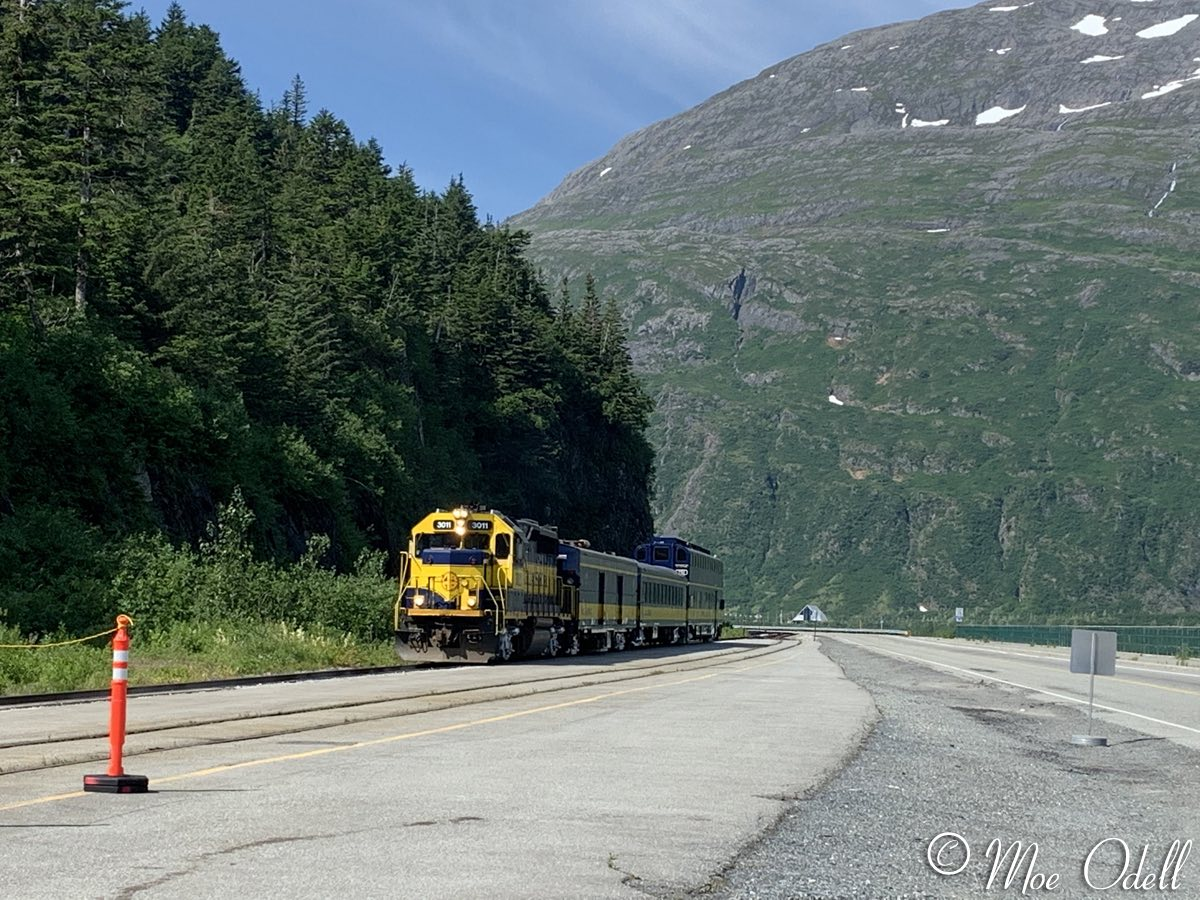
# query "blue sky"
(514, 94)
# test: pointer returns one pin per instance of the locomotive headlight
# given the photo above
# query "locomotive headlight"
(460, 527)
(461, 512)
(472, 602)
(419, 600)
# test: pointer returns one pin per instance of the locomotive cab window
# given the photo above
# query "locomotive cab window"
(503, 546)
(436, 540)
(661, 554)
(448, 539)
(680, 555)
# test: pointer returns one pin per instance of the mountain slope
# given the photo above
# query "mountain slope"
(964, 359)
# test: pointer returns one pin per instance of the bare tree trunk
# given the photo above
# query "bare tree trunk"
(81, 299)
(22, 270)
(30, 296)
(85, 202)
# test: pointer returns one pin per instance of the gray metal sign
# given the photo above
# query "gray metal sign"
(1098, 657)
(1092, 653)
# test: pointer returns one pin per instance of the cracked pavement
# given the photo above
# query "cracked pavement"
(620, 790)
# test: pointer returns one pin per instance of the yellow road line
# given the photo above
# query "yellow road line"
(391, 739)
(759, 665)
(1150, 684)
(322, 751)
(38, 800)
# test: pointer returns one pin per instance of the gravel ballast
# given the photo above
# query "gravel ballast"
(983, 762)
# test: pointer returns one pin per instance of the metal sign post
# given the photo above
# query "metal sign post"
(1093, 652)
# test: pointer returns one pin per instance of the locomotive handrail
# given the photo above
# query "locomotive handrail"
(405, 566)
(501, 601)
(497, 599)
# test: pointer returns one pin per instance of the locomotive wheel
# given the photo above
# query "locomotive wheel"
(571, 648)
(619, 641)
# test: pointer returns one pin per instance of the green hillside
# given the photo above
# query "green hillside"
(964, 368)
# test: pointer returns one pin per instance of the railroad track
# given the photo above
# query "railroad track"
(167, 729)
(212, 684)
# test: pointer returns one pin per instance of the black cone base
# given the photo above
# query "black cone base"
(116, 784)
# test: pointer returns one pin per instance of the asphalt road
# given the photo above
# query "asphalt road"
(609, 789)
(33, 737)
(1151, 695)
(960, 760)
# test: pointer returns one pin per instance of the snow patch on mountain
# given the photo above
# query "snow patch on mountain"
(1063, 109)
(996, 114)
(1162, 90)
(1092, 25)
(1166, 29)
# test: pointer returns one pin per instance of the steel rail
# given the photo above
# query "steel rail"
(212, 684)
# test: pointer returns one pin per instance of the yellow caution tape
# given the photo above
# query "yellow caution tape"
(90, 637)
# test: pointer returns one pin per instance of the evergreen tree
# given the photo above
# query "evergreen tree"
(200, 297)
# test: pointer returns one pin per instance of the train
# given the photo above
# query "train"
(476, 586)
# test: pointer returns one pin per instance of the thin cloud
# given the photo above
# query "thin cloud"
(543, 61)
(595, 58)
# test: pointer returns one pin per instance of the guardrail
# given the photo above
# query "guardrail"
(806, 629)
(1167, 640)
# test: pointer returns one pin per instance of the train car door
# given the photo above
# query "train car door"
(600, 602)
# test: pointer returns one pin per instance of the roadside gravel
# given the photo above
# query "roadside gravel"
(983, 762)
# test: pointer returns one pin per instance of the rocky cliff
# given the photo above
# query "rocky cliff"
(921, 311)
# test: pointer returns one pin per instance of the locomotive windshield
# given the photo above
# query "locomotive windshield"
(439, 539)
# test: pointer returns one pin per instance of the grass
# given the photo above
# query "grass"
(188, 651)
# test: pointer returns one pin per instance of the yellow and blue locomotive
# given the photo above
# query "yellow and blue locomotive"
(477, 586)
